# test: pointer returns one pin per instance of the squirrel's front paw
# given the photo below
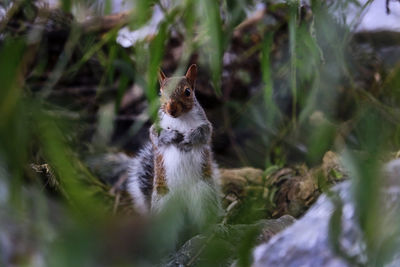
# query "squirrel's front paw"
(170, 136)
(177, 137)
(186, 144)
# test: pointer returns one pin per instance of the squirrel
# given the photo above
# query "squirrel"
(177, 163)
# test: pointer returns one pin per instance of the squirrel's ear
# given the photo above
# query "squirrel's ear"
(161, 77)
(191, 74)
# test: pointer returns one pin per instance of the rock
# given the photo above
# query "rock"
(388, 17)
(310, 241)
(272, 227)
(186, 252)
(306, 243)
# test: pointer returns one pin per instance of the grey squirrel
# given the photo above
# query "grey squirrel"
(177, 163)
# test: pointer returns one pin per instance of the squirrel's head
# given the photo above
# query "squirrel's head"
(177, 93)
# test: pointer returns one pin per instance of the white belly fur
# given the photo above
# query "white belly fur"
(184, 175)
(187, 186)
(182, 168)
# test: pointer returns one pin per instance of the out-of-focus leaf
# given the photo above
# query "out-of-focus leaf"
(157, 47)
(267, 77)
(209, 16)
(66, 5)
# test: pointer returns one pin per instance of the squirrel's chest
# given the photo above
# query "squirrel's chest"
(181, 167)
(185, 123)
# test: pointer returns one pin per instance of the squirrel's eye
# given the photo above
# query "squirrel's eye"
(187, 92)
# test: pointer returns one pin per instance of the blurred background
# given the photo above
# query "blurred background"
(282, 82)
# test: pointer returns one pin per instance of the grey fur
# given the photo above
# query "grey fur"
(110, 167)
(198, 136)
(143, 170)
(169, 137)
(186, 139)
(166, 136)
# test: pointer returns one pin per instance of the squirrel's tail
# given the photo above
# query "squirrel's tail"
(111, 168)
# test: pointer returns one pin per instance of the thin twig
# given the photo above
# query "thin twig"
(119, 183)
(116, 202)
(106, 23)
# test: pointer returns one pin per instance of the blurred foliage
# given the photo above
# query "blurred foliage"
(315, 92)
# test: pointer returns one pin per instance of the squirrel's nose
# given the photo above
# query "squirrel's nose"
(172, 109)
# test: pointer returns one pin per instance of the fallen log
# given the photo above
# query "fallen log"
(288, 190)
